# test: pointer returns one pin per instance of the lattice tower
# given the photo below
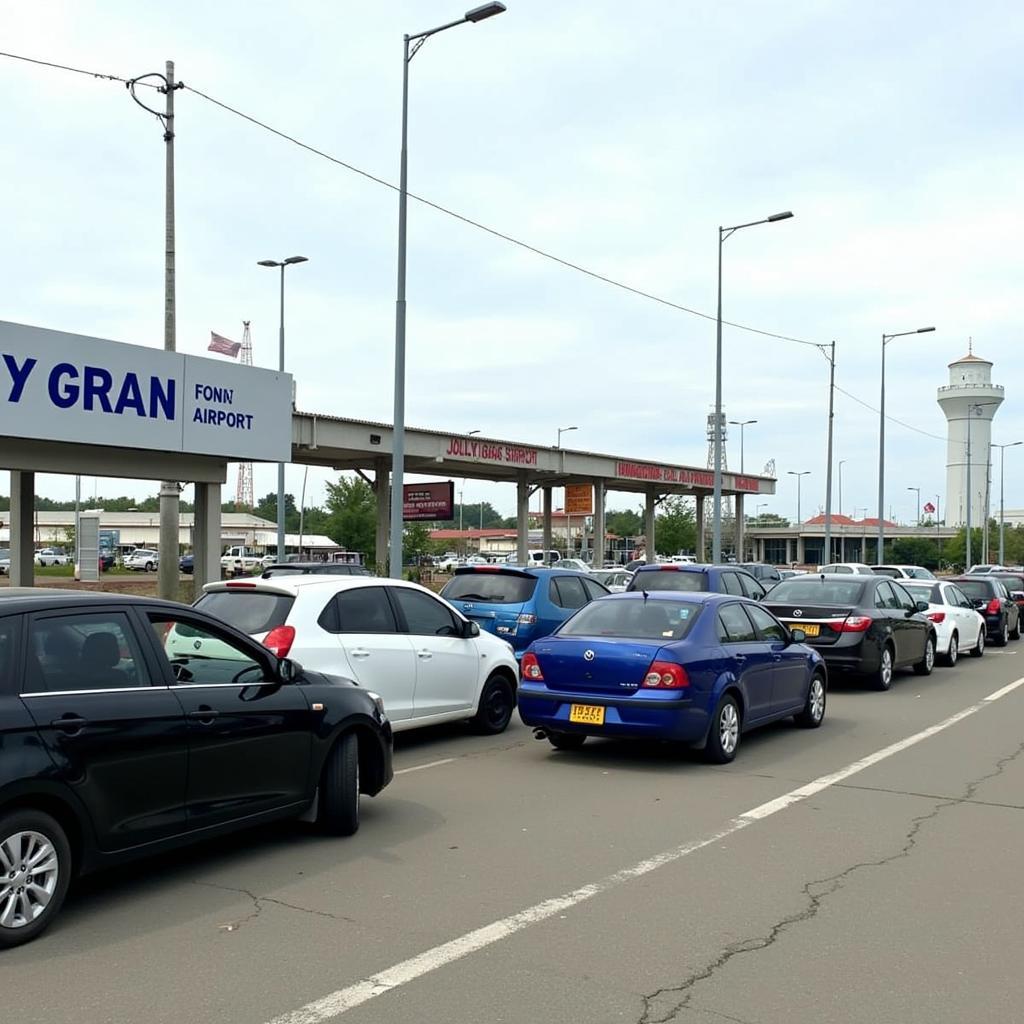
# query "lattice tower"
(243, 492)
(726, 499)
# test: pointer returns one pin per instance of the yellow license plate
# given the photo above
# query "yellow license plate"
(809, 628)
(586, 714)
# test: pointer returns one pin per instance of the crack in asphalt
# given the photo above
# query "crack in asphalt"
(815, 893)
(932, 796)
(258, 903)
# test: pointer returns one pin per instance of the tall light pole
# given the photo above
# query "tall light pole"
(741, 424)
(280, 366)
(1002, 475)
(716, 511)
(793, 472)
(398, 441)
(561, 431)
(886, 338)
(917, 490)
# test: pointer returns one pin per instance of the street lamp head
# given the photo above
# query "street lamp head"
(267, 263)
(485, 11)
(564, 429)
(470, 433)
(925, 330)
(780, 216)
(297, 259)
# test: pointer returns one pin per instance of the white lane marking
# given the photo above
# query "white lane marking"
(348, 998)
(429, 764)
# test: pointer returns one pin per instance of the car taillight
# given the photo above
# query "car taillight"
(937, 616)
(994, 607)
(279, 640)
(526, 619)
(486, 568)
(666, 675)
(529, 667)
(241, 586)
(853, 624)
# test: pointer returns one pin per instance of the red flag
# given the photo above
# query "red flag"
(224, 346)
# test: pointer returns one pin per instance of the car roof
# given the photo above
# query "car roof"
(293, 585)
(686, 596)
(24, 599)
(540, 571)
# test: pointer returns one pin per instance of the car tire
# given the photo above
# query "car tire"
(567, 740)
(17, 830)
(497, 702)
(339, 788)
(952, 655)
(882, 677)
(1015, 632)
(1004, 635)
(149, 567)
(725, 731)
(813, 713)
(927, 663)
(979, 648)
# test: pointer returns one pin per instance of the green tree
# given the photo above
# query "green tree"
(768, 519)
(415, 541)
(675, 529)
(915, 551)
(266, 508)
(351, 517)
(627, 523)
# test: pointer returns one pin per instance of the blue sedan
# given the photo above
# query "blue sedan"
(697, 668)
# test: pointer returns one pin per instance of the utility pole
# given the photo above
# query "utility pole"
(828, 478)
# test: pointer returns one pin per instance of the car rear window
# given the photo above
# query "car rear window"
(250, 611)
(923, 591)
(1010, 582)
(490, 588)
(638, 620)
(977, 590)
(669, 579)
(817, 591)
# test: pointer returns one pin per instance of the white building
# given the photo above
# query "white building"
(969, 402)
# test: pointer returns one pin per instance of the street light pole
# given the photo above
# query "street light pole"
(886, 338)
(802, 473)
(280, 366)
(716, 510)
(398, 430)
(1002, 475)
(917, 490)
(741, 424)
(561, 431)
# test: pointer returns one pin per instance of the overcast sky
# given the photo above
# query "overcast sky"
(617, 136)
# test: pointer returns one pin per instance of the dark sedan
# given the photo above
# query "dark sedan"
(685, 576)
(991, 596)
(868, 625)
(113, 747)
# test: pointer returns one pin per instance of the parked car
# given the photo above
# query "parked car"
(571, 563)
(5, 562)
(981, 570)
(426, 660)
(767, 574)
(718, 579)
(113, 746)
(107, 559)
(519, 605)
(992, 599)
(959, 626)
(52, 556)
(187, 564)
(846, 568)
(698, 668)
(1014, 583)
(865, 624)
(535, 557)
(903, 572)
(314, 569)
(142, 560)
(616, 580)
(788, 574)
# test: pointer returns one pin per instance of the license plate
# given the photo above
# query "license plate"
(586, 714)
(809, 628)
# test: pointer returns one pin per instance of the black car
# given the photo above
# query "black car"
(1014, 583)
(869, 625)
(685, 576)
(111, 749)
(992, 598)
(767, 574)
(318, 568)
(187, 564)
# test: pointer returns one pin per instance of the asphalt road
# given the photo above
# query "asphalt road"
(839, 875)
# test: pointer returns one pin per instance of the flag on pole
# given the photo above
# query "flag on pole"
(224, 346)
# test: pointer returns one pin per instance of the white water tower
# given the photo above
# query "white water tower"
(970, 392)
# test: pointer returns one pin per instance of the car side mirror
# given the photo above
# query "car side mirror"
(922, 606)
(288, 671)
(798, 636)
(470, 629)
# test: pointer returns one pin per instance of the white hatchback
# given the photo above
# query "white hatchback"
(428, 662)
(958, 626)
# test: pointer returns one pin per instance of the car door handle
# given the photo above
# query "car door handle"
(739, 657)
(776, 657)
(204, 716)
(424, 654)
(69, 724)
(360, 652)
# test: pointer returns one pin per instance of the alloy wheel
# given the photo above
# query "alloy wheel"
(954, 650)
(729, 728)
(816, 702)
(29, 872)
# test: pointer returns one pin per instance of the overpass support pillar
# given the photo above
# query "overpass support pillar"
(800, 553)
(649, 524)
(382, 492)
(523, 521)
(699, 517)
(599, 539)
(23, 547)
(548, 541)
(738, 504)
(206, 536)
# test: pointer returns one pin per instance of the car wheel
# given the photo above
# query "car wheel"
(814, 710)
(1015, 632)
(927, 663)
(497, 702)
(1004, 635)
(953, 653)
(149, 567)
(35, 869)
(882, 679)
(567, 740)
(339, 788)
(724, 734)
(979, 648)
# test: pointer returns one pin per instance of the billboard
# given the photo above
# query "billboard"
(427, 502)
(579, 499)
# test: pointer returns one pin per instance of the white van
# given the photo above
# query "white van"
(534, 557)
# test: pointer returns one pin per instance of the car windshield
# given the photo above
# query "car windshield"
(490, 587)
(976, 590)
(817, 591)
(633, 619)
(248, 610)
(886, 570)
(1010, 582)
(930, 592)
(668, 579)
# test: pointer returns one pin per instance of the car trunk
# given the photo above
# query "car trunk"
(613, 666)
(822, 623)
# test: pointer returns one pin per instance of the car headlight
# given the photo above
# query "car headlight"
(379, 701)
